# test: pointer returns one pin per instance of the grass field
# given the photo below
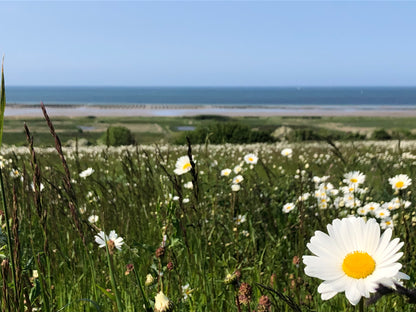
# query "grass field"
(191, 241)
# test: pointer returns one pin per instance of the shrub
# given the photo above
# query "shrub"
(225, 132)
(380, 134)
(116, 136)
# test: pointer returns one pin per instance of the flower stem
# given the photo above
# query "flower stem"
(113, 281)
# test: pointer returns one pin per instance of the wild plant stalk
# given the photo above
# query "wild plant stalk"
(67, 178)
(3, 194)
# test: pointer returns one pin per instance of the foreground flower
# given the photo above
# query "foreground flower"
(86, 173)
(183, 165)
(354, 259)
(162, 303)
(112, 241)
(400, 182)
(251, 159)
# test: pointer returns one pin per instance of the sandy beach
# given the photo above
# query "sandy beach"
(17, 110)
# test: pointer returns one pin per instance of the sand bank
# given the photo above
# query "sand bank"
(17, 110)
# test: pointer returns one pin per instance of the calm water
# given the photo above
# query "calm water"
(251, 96)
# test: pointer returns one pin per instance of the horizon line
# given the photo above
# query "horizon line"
(213, 86)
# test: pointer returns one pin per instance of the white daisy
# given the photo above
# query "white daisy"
(240, 219)
(288, 207)
(251, 159)
(14, 173)
(86, 173)
(387, 223)
(92, 218)
(235, 187)
(238, 179)
(102, 239)
(400, 182)
(237, 169)
(354, 177)
(372, 207)
(362, 211)
(186, 291)
(188, 185)
(353, 258)
(183, 165)
(225, 172)
(287, 152)
(382, 213)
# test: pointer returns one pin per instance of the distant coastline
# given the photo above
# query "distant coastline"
(230, 101)
(151, 110)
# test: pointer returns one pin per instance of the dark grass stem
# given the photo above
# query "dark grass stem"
(9, 235)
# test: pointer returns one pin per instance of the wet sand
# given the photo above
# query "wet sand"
(17, 110)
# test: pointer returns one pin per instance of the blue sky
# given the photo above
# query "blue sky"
(210, 43)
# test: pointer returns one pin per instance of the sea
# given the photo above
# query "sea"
(370, 97)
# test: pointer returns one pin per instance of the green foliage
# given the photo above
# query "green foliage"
(301, 134)
(225, 132)
(116, 136)
(381, 134)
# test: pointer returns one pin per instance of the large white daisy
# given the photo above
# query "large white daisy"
(183, 165)
(400, 182)
(353, 258)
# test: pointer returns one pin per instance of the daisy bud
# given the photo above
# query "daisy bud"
(149, 280)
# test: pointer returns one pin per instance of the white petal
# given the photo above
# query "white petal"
(384, 241)
(352, 293)
(320, 268)
(372, 237)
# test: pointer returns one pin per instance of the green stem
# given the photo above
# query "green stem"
(9, 235)
(113, 280)
(146, 301)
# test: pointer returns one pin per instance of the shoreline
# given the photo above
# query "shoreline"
(165, 110)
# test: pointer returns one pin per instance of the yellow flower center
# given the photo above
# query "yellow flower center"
(358, 264)
(186, 166)
(354, 180)
(250, 159)
(399, 184)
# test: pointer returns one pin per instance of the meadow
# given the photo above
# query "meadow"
(195, 236)
(225, 227)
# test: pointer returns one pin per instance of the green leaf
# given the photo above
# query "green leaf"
(35, 291)
(2, 101)
(107, 293)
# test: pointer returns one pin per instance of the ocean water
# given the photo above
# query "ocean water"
(371, 97)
